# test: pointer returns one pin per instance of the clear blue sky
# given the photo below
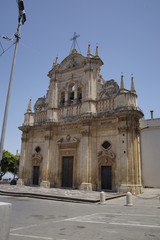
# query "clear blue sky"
(127, 33)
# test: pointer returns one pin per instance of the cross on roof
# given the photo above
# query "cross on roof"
(74, 39)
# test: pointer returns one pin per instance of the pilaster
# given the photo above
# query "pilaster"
(22, 158)
(130, 167)
(46, 160)
(85, 160)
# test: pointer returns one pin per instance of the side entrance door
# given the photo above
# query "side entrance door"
(106, 177)
(35, 175)
(67, 172)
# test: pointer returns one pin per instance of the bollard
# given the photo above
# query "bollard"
(5, 219)
(129, 199)
(102, 198)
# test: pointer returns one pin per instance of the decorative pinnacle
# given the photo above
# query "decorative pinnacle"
(89, 49)
(29, 109)
(132, 84)
(122, 82)
(97, 54)
(56, 62)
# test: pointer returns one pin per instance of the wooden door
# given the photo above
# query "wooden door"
(67, 172)
(36, 175)
(106, 177)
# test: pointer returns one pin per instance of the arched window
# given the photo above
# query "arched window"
(79, 94)
(62, 101)
(71, 92)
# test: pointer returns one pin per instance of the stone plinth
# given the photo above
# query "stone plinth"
(86, 186)
(45, 184)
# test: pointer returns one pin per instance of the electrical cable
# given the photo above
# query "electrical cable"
(7, 48)
(1, 46)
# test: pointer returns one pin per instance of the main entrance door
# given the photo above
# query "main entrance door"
(106, 177)
(67, 172)
(35, 175)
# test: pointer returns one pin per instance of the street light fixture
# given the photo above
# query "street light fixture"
(21, 20)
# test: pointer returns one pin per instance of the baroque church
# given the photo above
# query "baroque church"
(84, 134)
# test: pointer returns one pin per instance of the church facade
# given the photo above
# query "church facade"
(84, 134)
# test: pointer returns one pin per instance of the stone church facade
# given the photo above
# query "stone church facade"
(84, 134)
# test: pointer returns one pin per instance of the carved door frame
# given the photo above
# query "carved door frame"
(105, 161)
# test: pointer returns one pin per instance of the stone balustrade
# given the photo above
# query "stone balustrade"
(105, 105)
(40, 117)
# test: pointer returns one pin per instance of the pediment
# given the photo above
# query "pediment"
(74, 60)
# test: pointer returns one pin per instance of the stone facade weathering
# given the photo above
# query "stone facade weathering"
(84, 134)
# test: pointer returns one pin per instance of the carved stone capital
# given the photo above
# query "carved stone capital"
(84, 132)
(24, 137)
(123, 129)
(47, 135)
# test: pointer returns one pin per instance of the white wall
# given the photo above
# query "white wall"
(150, 152)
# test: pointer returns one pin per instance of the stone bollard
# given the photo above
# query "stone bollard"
(102, 198)
(129, 199)
(5, 219)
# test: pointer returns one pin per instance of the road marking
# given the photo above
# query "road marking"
(135, 225)
(107, 218)
(35, 225)
(110, 214)
(33, 236)
(80, 217)
(97, 218)
(86, 219)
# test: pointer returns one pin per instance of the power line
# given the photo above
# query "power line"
(8, 39)
(7, 49)
(1, 46)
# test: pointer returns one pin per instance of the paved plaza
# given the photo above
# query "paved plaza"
(62, 220)
(56, 193)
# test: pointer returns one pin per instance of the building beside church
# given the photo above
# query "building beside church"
(150, 154)
(84, 134)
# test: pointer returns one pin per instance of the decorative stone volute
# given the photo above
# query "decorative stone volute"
(106, 151)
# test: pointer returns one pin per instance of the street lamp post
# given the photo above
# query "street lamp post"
(21, 20)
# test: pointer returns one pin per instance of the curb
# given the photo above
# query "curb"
(55, 198)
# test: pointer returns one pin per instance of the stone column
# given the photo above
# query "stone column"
(66, 97)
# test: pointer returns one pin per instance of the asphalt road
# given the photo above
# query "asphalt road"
(52, 220)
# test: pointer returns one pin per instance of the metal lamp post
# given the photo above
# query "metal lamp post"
(21, 20)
